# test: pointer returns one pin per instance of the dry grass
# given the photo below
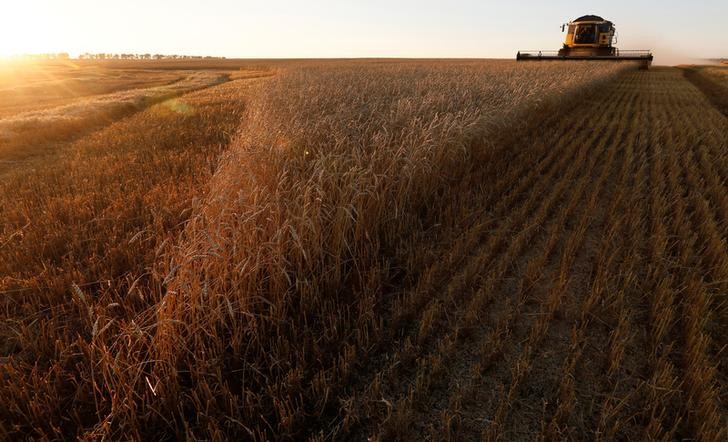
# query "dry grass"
(84, 228)
(29, 86)
(713, 82)
(26, 134)
(718, 73)
(48, 126)
(24, 88)
(395, 250)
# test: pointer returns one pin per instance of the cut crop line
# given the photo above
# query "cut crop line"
(715, 93)
(489, 288)
(495, 243)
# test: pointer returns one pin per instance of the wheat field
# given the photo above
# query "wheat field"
(366, 250)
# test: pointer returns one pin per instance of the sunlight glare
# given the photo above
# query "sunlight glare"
(23, 31)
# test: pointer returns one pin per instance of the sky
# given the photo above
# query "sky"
(675, 30)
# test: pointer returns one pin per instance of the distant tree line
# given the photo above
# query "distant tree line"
(104, 56)
(46, 56)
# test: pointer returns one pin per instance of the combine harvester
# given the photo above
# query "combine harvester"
(589, 38)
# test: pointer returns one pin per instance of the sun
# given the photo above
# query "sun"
(25, 29)
(5, 47)
(6, 51)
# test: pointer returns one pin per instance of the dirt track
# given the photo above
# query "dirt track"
(591, 302)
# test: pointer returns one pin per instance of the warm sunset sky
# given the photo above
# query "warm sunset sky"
(329, 28)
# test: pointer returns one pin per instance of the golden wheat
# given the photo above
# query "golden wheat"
(452, 250)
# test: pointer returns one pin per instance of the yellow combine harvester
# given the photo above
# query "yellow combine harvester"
(589, 37)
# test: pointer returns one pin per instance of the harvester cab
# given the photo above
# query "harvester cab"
(589, 37)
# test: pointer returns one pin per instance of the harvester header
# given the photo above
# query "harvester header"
(589, 37)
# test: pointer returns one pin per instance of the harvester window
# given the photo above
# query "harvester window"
(585, 34)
